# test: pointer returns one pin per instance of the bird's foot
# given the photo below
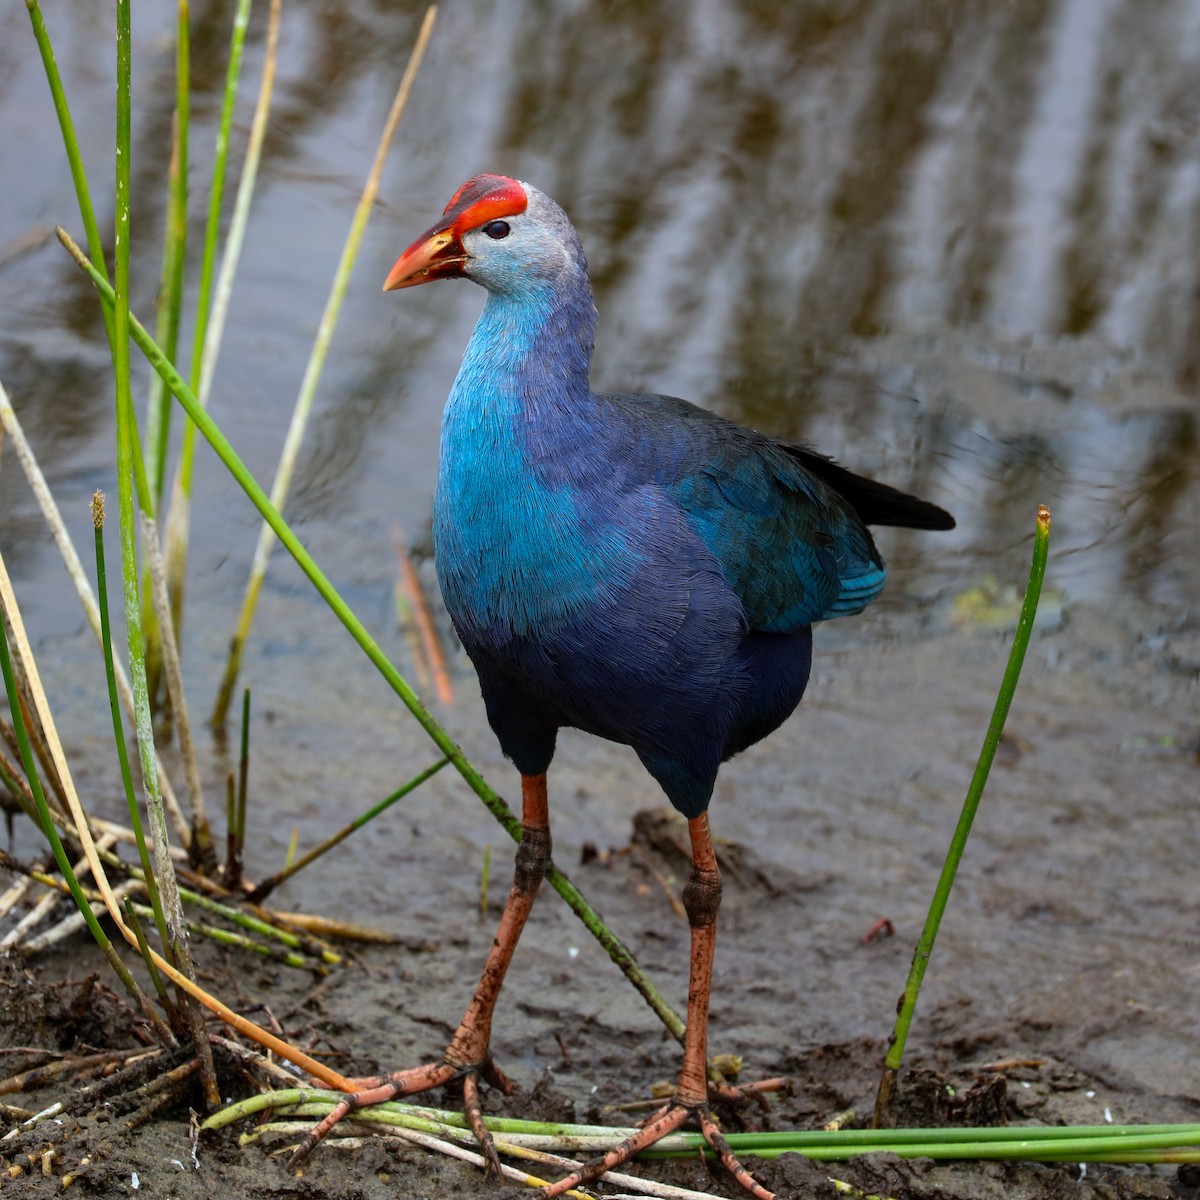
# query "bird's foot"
(410, 1082)
(668, 1119)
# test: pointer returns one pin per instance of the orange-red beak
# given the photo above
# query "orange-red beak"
(436, 254)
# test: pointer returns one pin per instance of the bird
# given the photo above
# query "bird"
(630, 565)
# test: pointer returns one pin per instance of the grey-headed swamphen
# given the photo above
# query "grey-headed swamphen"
(628, 565)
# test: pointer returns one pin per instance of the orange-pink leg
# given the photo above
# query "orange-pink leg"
(468, 1056)
(701, 899)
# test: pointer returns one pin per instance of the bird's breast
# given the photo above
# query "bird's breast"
(515, 551)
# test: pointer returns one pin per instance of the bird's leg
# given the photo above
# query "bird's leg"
(469, 1046)
(468, 1054)
(701, 900)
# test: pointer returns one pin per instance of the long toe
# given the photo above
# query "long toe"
(665, 1121)
(716, 1139)
(400, 1083)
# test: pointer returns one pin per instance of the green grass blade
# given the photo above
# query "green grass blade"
(170, 301)
(212, 227)
(239, 941)
(267, 886)
(170, 304)
(176, 547)
(941, 896)
(86, 209)
(243, 771)
(126, 470)
(1086, 1143)
(203, 852)
(71, 144)
(160, 988)
(135, 816)
(79, 578)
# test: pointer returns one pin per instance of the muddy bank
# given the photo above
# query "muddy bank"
(1071, 944)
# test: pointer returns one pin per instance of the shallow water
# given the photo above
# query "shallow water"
(954, 246)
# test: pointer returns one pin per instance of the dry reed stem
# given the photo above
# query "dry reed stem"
(41, 909)
(422, 616)
(16, 773)
(252, 1058)
(201, 829)
(449, 1149)
(224, 1012)
(14, 895)
(56, 801)
(72, 923)
(312, 373)
(328, 927)
(48, 1073)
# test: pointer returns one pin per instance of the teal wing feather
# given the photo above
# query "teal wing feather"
(792, 547)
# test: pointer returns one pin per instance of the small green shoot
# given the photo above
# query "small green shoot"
(941, 896)
(135, 816)
(293, 864)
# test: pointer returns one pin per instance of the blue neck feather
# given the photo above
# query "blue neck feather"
(507, 511)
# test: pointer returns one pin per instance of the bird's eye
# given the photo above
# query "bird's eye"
(496, 229)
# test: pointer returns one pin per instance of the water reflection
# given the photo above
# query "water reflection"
(852, 223)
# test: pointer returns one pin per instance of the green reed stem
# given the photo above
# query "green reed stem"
(79, 577)
(268, 885)
(987, 754)
(71, 143)
(243, 771)
(239, 941)
(179, 517)
(139, 932)
(127, 467)
(212, 228)
(1083, 1143)
(130, 463)
(125, 480)
(87, 211)
(236, 817)
(494, 803)
(253, 924)
(170, 302)
(135, 816)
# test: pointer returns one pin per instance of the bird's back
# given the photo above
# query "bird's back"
(788, 526)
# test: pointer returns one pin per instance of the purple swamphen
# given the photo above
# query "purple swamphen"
(628, 565)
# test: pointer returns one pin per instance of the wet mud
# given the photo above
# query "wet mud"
(1062, 989)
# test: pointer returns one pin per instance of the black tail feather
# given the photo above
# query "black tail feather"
(876, 503)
